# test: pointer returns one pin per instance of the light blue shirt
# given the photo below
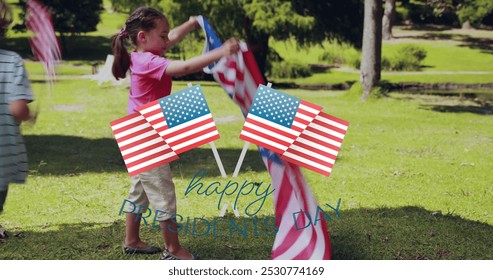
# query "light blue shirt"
(14, 85)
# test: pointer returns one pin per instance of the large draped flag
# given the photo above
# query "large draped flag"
(240, 77)
(44, 42)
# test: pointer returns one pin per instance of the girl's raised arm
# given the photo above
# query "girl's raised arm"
(195, 64)
(176, 34)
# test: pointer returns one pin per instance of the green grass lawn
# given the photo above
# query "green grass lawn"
(414, 174)
(414, 181)
(455, 56)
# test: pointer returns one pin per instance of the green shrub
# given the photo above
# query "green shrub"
(332, 58)
(354, 61)
(407, 58)
(290, 69)
(341, 54)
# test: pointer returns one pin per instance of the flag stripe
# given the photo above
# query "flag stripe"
(197, 135)
(317, 147)
(157, 154)
(254, 138)
(141, 147)
(304, 161)
(271, 129)
(209, 137)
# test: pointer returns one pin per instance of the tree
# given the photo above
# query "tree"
(469, 12)
(71, 16)
(372, 46)
(388, 19)
(474, 11)
(130, 5)
(307, 21)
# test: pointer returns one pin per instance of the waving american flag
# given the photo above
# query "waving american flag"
(44, 42)
(239, 76)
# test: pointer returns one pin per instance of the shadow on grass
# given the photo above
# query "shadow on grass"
(428, 27)
(82, 47)
(72, 155)
(385, 233)
(483, 110)
(483, 44)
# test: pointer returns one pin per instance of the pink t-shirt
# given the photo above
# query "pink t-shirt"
(147, 79)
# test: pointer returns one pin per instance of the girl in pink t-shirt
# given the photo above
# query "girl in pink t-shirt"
(150, 79)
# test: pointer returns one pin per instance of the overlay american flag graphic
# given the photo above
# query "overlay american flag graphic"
(141, 146)
(239, 76)
(182, 119)
(44, 42)
(276, 119)
(317, 147)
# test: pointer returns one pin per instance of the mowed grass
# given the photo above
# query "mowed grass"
(414, 182)
(453, 56)
(414, 174)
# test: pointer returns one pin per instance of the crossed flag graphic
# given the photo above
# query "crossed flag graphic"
(295, 129)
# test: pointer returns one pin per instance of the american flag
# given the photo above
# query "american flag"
(141, 146)
(44, 43)
(317, 147)
(182, 119)
(277, 119)
(240, 77)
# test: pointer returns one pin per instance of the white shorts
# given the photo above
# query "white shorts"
(154, 187)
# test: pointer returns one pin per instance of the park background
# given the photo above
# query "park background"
(414, 173)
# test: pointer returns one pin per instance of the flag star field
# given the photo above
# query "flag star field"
(275, 106)
(184, 106)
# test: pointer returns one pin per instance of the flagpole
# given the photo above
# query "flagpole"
(240, 160)
(216, 154)
(218, 159)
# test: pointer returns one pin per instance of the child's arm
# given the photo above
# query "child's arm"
(176, 34)
(20, 110)
(194, 64)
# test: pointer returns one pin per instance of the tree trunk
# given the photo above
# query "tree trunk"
(372, 46)
(388, 19)
(466, 25)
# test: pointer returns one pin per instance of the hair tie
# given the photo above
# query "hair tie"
(123, 33)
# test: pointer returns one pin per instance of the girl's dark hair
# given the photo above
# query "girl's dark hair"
(142, 19)
(5, 18)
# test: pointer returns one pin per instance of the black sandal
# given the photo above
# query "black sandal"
(3, 234)
(147, 250)
(166, 255)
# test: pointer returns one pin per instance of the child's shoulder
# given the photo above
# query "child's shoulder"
(147, 59)
(145, 56)
(6, 55)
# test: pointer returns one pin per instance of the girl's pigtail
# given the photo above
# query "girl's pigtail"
(121, 64)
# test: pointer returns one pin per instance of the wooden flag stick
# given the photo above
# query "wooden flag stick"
(240, 160)
(218, 159)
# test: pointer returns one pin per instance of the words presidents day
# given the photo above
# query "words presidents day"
(233, 188)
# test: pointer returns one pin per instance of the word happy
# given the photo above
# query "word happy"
(231, 189)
